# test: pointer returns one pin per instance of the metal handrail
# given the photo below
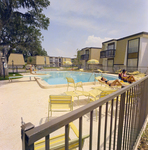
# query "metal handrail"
(51, 126)
(31, 134)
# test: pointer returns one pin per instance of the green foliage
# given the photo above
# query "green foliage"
(10, 75)
(23, 30)
(30, 59)
(144, 140)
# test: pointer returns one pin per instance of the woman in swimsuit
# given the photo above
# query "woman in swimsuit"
(114, 83)
(127, 78)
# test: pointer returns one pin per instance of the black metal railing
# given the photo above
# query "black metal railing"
(125, 112)
(108, 53)
(85, 57)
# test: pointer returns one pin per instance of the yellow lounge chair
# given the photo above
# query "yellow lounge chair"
(58, 142)
(81, 69)
(133, 73)
(72, 83)
(60, 103)
(102, 71)
(99, 94)
(118, 71)
(98, 78)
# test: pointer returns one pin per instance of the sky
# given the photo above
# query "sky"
(76, 24)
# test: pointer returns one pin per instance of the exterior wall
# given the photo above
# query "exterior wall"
(65, 59)
(120, 52)
(94, 53)
(40, 60)
(18, 60)
(47, 60)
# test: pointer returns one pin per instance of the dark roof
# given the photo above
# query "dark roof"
(110, 40)
(133, 35)
(91, 47)
(127, 37)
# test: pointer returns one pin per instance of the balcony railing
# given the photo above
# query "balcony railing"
(108, 53)
(125, 114)
(85, 57)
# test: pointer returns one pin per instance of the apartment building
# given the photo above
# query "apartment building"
(16, 60)
(58, 61)
(54, 61)
(87, 54)
(39, 61)
(63, 59)
(129, 52)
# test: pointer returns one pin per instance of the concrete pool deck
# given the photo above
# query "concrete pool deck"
(25, 98)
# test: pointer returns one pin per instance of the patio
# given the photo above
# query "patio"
(26, 99)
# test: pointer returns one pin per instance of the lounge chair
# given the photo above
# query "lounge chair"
(126, 79)
(118, 71)
(133, 73)
(139, 76)
(99, 78)
(72, 83)
(58, 142)
(96, 94)
(81, 69)
(115, 86)
(60, 103)
(102, 71)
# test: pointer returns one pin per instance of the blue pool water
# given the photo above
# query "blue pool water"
(59, 77)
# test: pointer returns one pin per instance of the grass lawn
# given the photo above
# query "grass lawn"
(10, 75)
(144, 140)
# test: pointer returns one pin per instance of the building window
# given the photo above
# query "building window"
(87, 52)
(133, 52)
(133, 46)
(111, 46)
(132, 62)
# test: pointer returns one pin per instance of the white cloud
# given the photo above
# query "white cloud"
(93, 41)
(101, 16)
(59, 52)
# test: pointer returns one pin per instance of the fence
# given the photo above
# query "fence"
(129, 69)
(118, 130)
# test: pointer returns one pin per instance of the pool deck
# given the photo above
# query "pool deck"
(26, 98)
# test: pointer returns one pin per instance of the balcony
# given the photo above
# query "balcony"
(107, 53)
(85, 57)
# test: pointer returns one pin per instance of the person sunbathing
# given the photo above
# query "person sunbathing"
(127, 78)
(114, 83)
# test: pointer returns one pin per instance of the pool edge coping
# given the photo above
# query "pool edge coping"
(43, 84)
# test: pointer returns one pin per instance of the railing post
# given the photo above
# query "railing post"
(24, 128)
(143, 104)
(121, 119)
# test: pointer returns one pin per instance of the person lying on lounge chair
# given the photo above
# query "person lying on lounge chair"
(110, 83)
(126, 78)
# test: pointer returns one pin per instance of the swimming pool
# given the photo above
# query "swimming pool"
(59, 77)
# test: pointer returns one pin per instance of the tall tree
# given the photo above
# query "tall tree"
(22, 29)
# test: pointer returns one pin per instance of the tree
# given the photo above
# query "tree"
(77, 60)
(22, 29)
